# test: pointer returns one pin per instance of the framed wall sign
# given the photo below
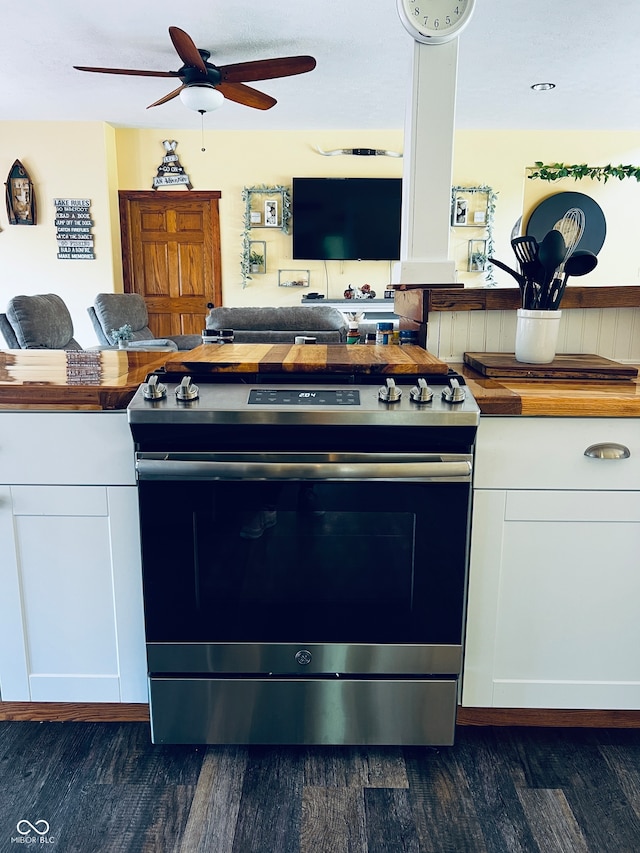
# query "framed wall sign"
(21, 200)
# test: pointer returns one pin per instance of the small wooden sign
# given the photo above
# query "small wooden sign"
(21, 201)
(170, 172)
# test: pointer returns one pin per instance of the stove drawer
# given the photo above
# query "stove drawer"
(303, 711)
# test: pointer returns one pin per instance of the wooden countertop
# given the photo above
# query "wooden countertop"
(554, 397)
(52, 379)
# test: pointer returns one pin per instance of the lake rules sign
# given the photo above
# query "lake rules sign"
(170, 172)
(73, 229)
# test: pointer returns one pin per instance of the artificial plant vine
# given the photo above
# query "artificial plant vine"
(247, 194)
(556, 171)
(492, 198)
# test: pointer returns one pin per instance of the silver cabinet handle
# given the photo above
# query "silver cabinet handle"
(608, 450)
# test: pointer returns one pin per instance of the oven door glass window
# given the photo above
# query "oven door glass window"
(349, 562)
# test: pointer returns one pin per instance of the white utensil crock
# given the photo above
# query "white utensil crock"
(537, 335)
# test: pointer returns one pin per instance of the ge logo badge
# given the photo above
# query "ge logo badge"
(25, 827)
(303, 657)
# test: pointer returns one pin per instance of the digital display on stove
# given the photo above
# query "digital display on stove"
(304, 397)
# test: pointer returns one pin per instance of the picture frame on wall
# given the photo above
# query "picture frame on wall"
(460, 210)
(271, 213)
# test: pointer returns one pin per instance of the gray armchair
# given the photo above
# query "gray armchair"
(38, 322)
(113, 310)
(280, 325)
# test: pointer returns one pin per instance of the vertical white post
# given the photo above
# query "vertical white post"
(428, 167)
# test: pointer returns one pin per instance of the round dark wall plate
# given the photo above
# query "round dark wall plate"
(550, 211)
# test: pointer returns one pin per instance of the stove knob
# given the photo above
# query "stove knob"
(454, 393)
(187, 390)
(389, 393)
(421, 393)
(154, 390)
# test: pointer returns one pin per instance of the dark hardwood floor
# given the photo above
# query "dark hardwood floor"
(104, 787)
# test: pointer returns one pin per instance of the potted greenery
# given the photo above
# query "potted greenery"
(477, 261)
(121, 336)
(256, 261)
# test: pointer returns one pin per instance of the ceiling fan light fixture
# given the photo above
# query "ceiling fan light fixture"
(201, 97)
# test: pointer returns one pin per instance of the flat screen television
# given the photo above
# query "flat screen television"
(346, 219)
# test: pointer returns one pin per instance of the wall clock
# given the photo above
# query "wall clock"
(435, 21)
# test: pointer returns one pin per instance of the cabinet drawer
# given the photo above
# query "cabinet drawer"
(72, 448)
(548, 453)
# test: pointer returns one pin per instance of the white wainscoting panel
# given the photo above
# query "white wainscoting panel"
(610, 332)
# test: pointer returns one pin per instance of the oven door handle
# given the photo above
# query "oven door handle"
(169, 467)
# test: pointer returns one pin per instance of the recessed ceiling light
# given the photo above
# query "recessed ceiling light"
(543, 87)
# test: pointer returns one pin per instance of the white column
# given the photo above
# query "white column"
(428, 167)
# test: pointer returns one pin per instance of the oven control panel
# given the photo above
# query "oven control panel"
(304, 397)
(397, 402)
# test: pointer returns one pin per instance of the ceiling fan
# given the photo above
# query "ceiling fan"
(228, 80)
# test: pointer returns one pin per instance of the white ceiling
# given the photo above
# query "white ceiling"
(363, 63)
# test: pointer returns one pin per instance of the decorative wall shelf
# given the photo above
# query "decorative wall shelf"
(265, 207)
(474, 207)
(294, 278)
(257, 257)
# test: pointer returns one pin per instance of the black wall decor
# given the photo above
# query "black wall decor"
(21, 200)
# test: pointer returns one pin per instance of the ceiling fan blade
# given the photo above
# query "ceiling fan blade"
(266, 69)
(129, 71)
(246, 95)
(166, 98)
(186, 49)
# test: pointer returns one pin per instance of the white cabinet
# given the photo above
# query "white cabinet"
(71, 623)
(554, 583)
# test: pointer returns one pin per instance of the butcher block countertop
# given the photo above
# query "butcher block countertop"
(91, 380)
(47, 379)
(556, 396)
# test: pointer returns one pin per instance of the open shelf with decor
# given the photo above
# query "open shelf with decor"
(265, 207)
(474, 207)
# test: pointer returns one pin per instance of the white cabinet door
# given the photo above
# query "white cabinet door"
(71, 610)
(554, 579)
(554, 600)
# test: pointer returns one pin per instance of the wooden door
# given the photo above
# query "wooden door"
(171, 256)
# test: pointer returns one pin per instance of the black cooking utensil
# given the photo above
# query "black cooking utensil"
(526, 252)
(551, 252)
(522, 281)
(525, 249)
(518, 277)
(580, 263)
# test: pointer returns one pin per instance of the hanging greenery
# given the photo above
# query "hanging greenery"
(492, 198)
(285, 218)
(556, 171)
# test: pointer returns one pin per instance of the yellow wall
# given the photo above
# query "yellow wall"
(94, 160)
(71, 160)
(232, 161)
(501, 159)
